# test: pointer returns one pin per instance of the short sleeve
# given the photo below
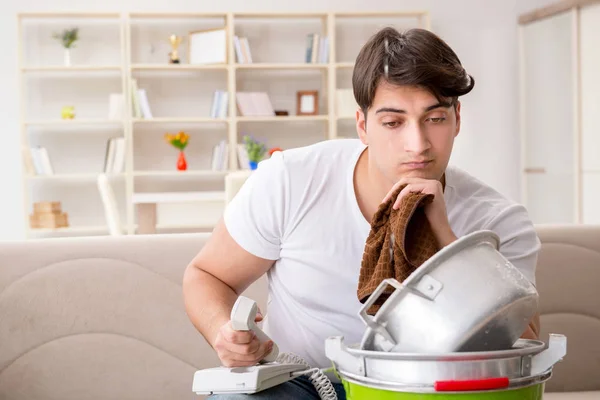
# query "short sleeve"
(255, 216)
(519, 241)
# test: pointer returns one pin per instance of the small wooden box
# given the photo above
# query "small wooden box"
(49, 220)
(46, 207)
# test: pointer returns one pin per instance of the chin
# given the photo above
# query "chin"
(417, 173)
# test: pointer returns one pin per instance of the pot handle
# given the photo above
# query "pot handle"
(472, 384)
(370, 321)
(555, 352)
(337, 352)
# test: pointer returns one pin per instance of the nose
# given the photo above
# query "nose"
(416, 140)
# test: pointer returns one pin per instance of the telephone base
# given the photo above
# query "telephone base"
(245, 380)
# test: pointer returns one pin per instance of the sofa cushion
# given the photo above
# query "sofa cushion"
(100, 318)
(567, 276)
(572, 396)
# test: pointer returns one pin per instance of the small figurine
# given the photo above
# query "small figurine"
(174, 55)
(68, 112)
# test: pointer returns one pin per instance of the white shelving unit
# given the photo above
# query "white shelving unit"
(116, 48)
(559, 105)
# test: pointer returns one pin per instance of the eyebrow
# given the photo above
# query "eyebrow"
(400, 111)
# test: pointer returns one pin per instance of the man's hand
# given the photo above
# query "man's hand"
(533, 329)
(435, 211)
(240, 348)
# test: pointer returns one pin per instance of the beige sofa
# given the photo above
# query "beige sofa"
(103, 317)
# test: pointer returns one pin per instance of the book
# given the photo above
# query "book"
(219, 104)
(254, 104)
(220, 156)
(40, 160)
(114, 160)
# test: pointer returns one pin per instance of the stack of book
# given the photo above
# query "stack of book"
(219, 104)
(254, 104)
(220, 157)
(242, 50)
(114, 159)
(48, 215)
(37, 161)
(140, 104)
(317, 49)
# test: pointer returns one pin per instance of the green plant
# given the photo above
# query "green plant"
(68, 37)
(255, 148)
(179, 140)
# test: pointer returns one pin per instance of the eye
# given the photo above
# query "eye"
(437, 120)
(392, 124)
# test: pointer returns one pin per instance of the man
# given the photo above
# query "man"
(304, 215)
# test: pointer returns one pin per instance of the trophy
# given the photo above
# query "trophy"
(175, 42)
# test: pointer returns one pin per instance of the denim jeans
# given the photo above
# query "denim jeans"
(296, 389)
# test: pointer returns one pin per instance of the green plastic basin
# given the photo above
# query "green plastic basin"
(359, 392)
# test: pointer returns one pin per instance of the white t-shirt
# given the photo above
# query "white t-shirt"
(299, 208)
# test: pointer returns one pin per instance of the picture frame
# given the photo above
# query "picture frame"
(207, 46)
(307, 102)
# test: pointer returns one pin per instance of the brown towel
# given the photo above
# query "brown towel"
(413, 245)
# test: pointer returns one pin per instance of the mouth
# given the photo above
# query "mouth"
(417, 164)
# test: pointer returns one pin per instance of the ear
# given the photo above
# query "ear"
(361, 126)
(457, 112)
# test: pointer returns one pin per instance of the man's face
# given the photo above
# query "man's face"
(409, 133)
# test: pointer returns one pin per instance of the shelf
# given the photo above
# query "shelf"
(73, 122)
(183, 226)
(152, 15)
(206, 173)
(178, 67)
(179, 120)
(281, 66)
(71, 229)
(62, 68)
(171, 227)
(284, 118)
(381, 14)
(280, 15)
(177, 197)
(70, 177)
(70, 15)
(349, 64)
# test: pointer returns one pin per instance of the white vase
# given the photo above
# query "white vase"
(67, 57)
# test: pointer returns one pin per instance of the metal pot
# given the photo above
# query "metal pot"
(518, 373)
(467, 297)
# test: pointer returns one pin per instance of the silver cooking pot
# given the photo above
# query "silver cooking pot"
(467, 297)
(521, 370)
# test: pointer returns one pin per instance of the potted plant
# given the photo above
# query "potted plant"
(180, 142)
(256, 150)
(68, 38)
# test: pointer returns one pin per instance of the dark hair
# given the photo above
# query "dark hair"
(416, 57)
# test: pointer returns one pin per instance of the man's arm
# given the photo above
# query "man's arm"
(518, 239)
(243, 246)
(215, 278)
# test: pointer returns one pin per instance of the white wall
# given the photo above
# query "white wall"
(483, 33)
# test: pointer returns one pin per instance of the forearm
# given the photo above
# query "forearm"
(443, 234)
(533, 329)
(208, 302)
